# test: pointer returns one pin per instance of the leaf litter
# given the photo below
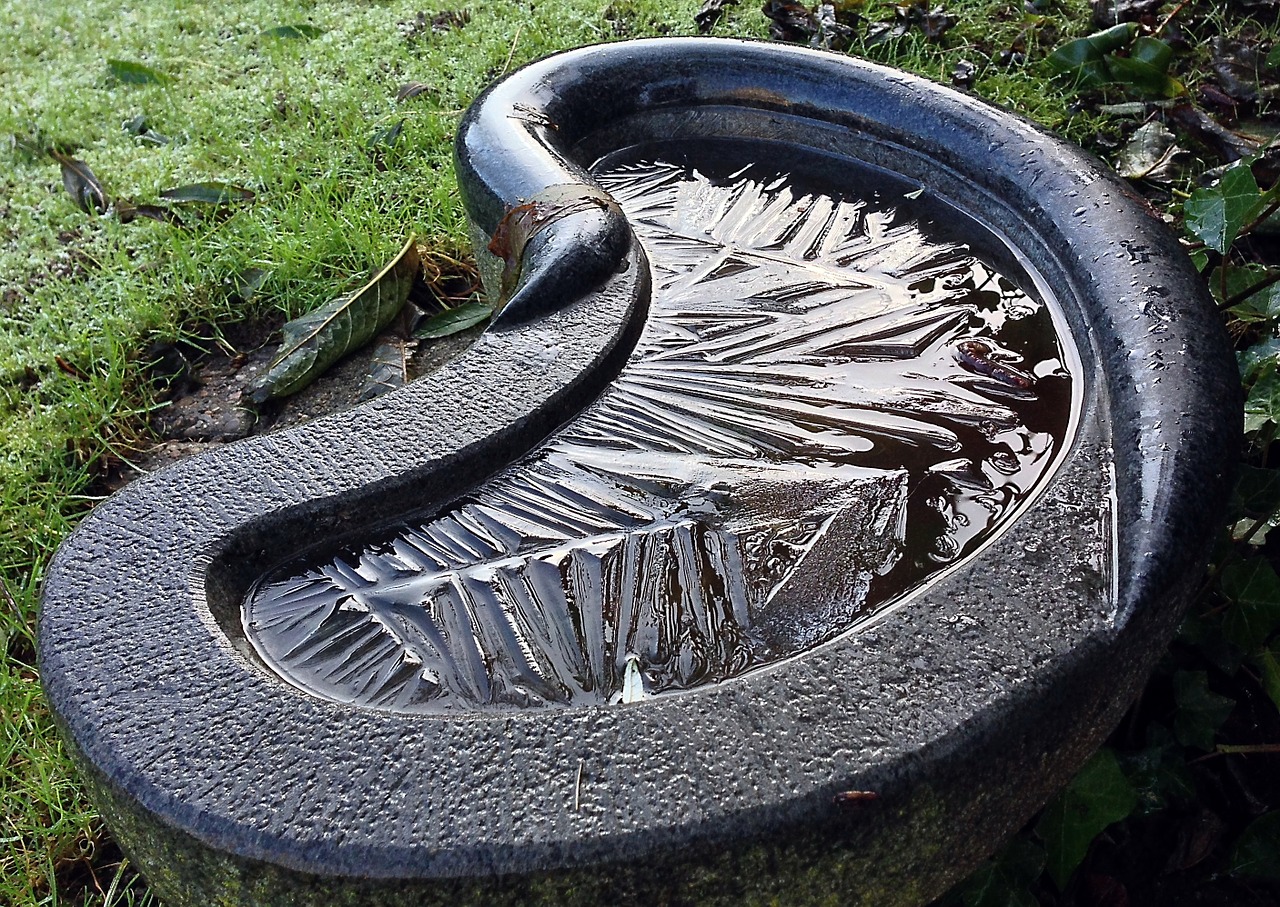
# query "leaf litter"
(320, 338)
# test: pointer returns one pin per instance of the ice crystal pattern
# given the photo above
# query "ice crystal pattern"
(750, 486)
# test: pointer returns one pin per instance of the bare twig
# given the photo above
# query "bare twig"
(1169, 18)
(1237, 298)
(515, 41)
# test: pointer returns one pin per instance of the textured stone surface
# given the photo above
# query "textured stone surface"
(961, 708)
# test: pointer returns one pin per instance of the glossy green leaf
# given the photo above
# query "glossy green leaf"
(1153, 52)
(208, 193)
(1215, 215)
(1200, 711)
(1080, 61)
(1146, 68)
(1143, 79)
(294, 32)
(1005, 881)
(82, 185)
(1084, 60)
(455, 320)
(128, 72)
(318, 339)
(1098, 796)
(1254, 591)
(1257, 852)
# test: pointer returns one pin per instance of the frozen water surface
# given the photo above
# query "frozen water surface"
(832, 401)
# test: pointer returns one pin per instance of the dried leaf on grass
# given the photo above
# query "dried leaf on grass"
(82, 184)
(1228, 146)
(139, 128)
(208, 193)
(128, 212)
(411, 90)
(1240, 67)
(1150, 154)
(441, 22)
(790, 21)
(318, 339)
(710, 13)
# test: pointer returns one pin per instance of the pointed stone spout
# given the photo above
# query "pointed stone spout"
(838, 433)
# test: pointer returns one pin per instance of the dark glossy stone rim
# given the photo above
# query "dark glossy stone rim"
(190, 740)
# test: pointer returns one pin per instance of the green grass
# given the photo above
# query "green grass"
(82, 297)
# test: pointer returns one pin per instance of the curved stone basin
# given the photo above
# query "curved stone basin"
(840, 434)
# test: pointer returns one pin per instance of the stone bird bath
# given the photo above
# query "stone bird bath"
(837, 468)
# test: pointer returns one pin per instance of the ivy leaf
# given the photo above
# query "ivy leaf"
(1262, 405)
(1215, 215)
(1204, 633)
(127, 72)
(1255, 853)
(1200, 711)
(1006, 880)
(294, 32)
(1257, 493)
(1268, 662)
(1254, 591)
(1098, 796)
(208, 193)
(318, 339)
(1259, 357)
(455, 320)
(82, 185)
(1159, 774)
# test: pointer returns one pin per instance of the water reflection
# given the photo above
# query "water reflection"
(826, 407)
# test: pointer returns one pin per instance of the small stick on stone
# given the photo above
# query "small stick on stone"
(577, 789)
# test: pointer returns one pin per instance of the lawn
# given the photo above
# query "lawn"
(307, 140)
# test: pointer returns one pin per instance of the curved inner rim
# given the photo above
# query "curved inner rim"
(834, 400)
